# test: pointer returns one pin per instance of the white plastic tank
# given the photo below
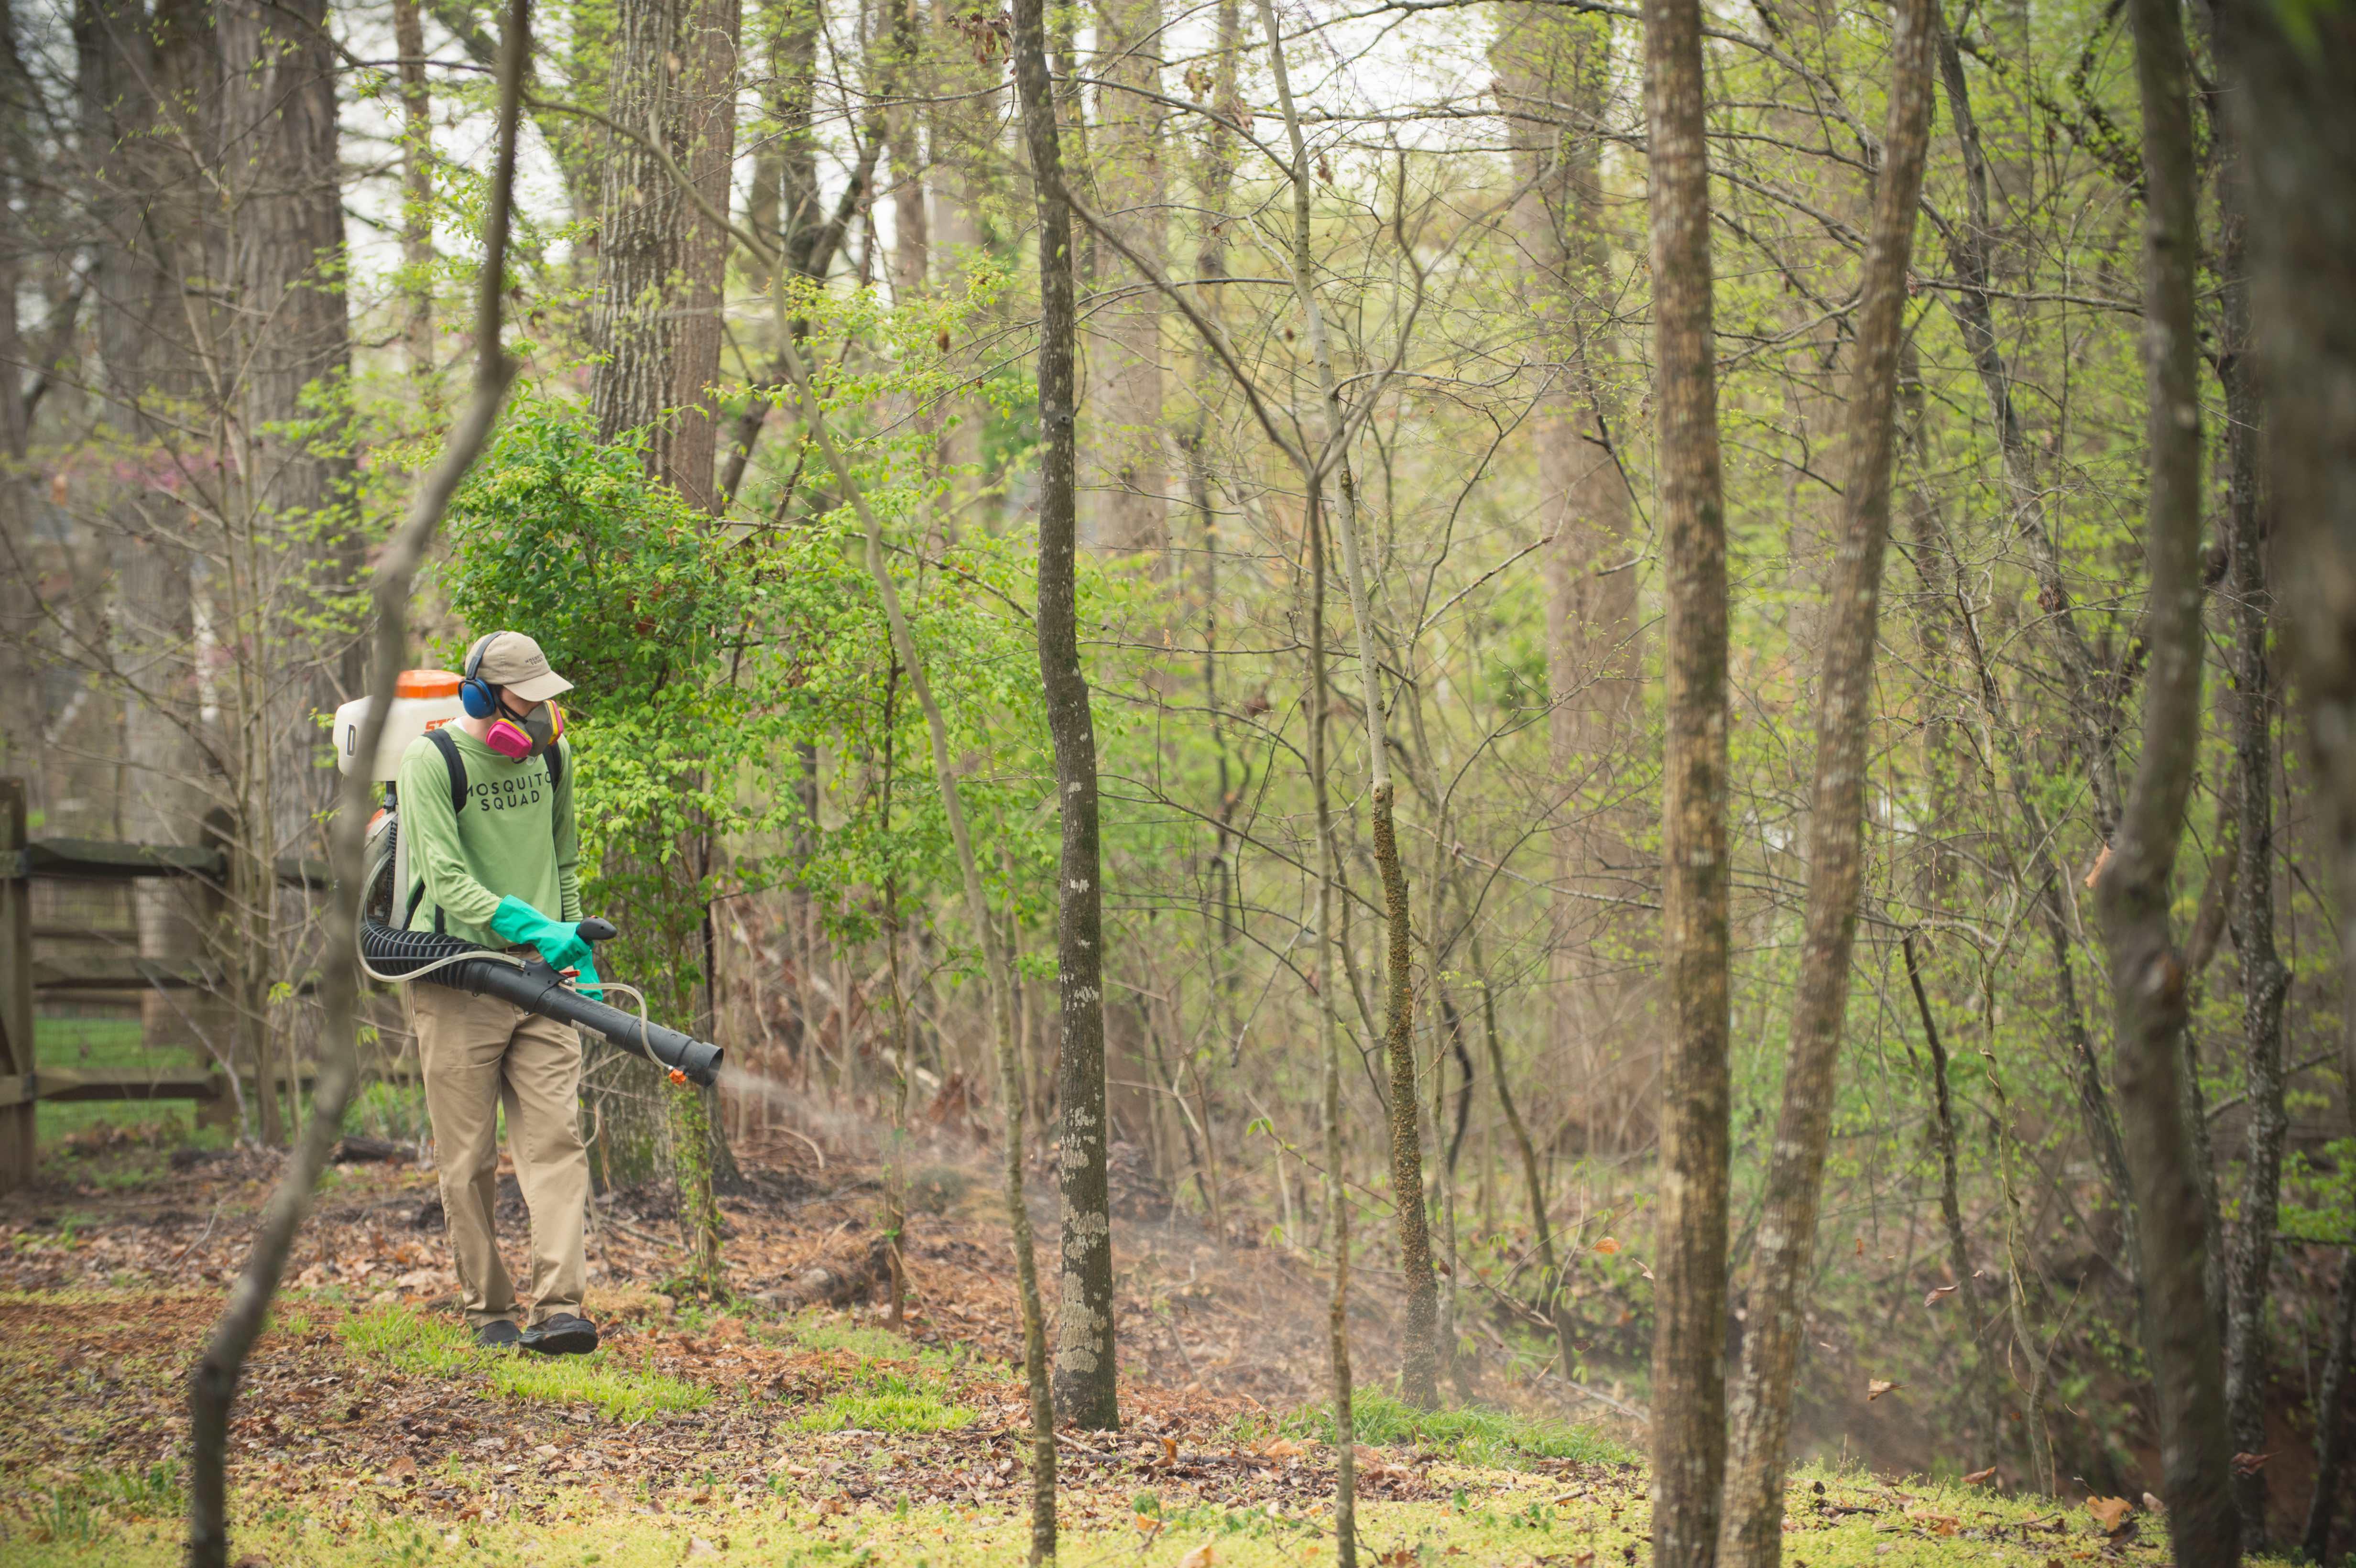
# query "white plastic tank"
(423, 699)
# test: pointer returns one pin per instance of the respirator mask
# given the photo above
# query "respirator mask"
(536, 735)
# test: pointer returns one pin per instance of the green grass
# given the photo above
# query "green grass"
(888, 1401)
(1474, 1434)
(897, 1385)
(85, 1507)
(817, 1330)
(825, 1331)
(618, 1391)
(405, 1341)
(92, 1043)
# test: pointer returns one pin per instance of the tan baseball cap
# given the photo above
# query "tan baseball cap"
(514, 661)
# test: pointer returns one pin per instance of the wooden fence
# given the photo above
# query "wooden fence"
(26, 978)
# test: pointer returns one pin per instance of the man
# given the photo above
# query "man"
(502, 871)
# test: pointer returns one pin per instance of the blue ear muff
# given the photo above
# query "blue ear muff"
(474, 695)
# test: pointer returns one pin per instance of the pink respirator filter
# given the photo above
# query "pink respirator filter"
(509, 741)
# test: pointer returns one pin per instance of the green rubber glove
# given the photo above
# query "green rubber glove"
(559, 941)
(585, 981)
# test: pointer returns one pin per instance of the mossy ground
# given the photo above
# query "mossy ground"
(1856, 1522)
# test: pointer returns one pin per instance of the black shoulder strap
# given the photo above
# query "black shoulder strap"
(556, 766)
(455, 764)
(458, 792)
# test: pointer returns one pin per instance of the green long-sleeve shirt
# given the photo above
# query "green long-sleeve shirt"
(517, 837)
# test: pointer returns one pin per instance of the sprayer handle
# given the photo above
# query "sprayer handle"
(595, 930)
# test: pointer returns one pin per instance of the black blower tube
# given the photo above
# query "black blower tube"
(539, 989)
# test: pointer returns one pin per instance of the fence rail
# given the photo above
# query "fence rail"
(72, 1084)
(24, 1083)
(102, 860)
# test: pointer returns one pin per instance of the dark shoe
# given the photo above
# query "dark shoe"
(562, 1334)
(498, 1334)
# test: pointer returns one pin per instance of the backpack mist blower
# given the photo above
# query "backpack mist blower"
(423, 701)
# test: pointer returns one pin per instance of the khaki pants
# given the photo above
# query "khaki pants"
(477, 1054)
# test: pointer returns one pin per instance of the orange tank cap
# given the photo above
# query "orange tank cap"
(427, 683)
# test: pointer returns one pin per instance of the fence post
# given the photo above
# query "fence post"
(18, 1108)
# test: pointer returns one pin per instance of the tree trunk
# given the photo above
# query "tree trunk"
(1937, 862)
(967, 163)
(416, 193)
(1753, 1533)
(1551, 1276)
(2292, 121)
(696, 1136)
(1329, 1034)
(2335, 1397)
(1554, 71)
(1447, 1024)
(2132, 892)
(287, 350)
(2209, 921)
(1086, 1369)
(661, 261)
(1127, 469)
(2265, 981)
(1689, 1289)
(1214, 177)
(146, 82)
(893, 1221)
(1420, 1331)
(21, 708)
(901, 48)
(1980, 1398)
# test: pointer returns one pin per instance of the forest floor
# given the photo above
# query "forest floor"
(790, 1425)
